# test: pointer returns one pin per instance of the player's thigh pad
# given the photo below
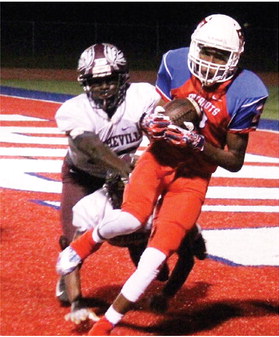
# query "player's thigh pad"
(91, 210)
(117, 223)
(179, 212)
(145, 185)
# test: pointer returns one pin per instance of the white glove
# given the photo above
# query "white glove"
(79, 314)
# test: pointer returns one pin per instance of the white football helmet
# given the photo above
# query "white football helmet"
(220, 32)
(104, 61)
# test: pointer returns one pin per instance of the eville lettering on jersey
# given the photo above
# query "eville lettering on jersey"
(123, 139)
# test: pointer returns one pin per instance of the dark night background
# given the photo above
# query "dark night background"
(52, 31)
(261, 14)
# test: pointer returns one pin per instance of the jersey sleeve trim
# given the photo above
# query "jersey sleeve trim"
(254, 102)
(165, 64)
(247, 130)
(162, 94)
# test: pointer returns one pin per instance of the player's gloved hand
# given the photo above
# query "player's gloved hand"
(155, 124)
(181, 137)
(79, 313)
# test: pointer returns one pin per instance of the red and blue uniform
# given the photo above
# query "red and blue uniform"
(182, 176)
(235, 106)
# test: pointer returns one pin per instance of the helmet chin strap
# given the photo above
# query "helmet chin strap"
(104, 104)
(109, 104)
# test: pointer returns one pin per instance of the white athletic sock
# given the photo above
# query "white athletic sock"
(113, 316)
(147, 270)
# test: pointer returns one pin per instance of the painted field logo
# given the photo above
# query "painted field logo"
(240, 215)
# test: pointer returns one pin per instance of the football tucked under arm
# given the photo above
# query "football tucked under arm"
(182, 112)
(185, 115)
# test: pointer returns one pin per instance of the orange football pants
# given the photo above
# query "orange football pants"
(181, 204)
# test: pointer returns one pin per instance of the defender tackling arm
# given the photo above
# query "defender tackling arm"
(90, 144)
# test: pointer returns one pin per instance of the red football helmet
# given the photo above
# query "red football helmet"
(103, 73)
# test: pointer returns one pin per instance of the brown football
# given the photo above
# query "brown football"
(182, 110)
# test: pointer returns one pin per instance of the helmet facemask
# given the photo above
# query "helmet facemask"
(106, 92)
(210, 73)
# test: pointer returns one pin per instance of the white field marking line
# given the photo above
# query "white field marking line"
(253, 158)
(20, 118)
(23, 139)
(30, 129)
(244, 246)
(253, 193)
(32, 152)
(55, 130)
(240, 208)
(250, 171)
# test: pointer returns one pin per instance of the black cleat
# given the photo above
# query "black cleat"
(159, 304)
(163, 274)
(198, 245)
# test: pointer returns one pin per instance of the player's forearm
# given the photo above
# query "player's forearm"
(90, 144)
(108, 159)
(228, 160)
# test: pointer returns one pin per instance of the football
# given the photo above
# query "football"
(183, 110)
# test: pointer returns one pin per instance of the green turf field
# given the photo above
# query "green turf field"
(271, 110)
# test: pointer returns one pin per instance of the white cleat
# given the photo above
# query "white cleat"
(67, 261)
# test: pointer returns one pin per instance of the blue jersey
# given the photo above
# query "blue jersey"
(235, 106)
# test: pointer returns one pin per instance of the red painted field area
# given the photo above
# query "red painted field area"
(233, 292)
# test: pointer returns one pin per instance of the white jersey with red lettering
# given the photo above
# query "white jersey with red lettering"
(121, 133)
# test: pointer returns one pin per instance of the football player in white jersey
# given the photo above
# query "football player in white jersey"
(103, 128)
(102, 125)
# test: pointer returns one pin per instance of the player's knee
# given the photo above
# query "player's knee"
(118, 223)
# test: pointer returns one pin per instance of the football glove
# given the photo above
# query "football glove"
(180, 137)
(155, 124)
(79, 313)
(114, 188)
